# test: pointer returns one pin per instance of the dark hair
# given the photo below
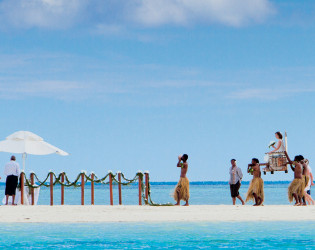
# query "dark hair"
(298, 158)
(255, 160)
(13, 158)
(233, 159)
(185, 157)
(279, 134)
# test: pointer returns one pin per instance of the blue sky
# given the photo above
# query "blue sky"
(129, 85)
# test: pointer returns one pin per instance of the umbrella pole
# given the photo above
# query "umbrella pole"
(24, 158)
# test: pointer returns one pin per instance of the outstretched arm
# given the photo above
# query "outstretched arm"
(289, 160)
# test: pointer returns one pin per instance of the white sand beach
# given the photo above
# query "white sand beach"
(194, 213)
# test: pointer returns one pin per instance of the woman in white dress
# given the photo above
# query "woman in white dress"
(280, 145)
(277, 156)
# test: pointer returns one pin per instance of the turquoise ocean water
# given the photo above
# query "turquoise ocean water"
(254, 235)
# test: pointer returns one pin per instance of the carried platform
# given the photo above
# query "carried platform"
(277, 161)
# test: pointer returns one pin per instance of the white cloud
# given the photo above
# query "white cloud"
(57, 89)
(187, 12)
(111, 15)
(41, 13)
(269, 93)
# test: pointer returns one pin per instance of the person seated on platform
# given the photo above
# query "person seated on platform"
(12, 171)
(181, 191)
(256, 188)
(296, 188)
(236, 176)
(280, 145)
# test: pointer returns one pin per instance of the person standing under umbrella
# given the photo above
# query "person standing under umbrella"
(12, 171)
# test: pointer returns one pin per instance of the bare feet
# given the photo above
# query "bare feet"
(297, 204)
(186, 205)
(177, 204)
(243, 203)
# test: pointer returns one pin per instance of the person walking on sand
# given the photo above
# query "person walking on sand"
(307, 177)
(181, 191)
(311, 178)
(236, 176)
(256, 188)
(12, 171)
(296, 188)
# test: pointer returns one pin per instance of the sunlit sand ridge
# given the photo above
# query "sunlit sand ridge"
(198, 213)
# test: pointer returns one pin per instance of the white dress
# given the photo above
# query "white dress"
(282, 147)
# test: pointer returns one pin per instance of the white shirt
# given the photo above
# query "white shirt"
(12, 168)
(235, 175)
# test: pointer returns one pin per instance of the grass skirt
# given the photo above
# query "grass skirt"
(256, 186)
(183, 188)
(296, 187)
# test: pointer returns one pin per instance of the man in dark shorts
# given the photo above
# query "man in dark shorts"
(12, 171)
(235, 181)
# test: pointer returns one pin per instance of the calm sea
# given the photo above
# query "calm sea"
(208, 193)
(254, 235)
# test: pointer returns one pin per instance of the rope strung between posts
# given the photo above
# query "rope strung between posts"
(149, 201)
(77, 183)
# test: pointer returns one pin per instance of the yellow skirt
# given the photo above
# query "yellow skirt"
(182, 188)
(256, 186)
(296, 187)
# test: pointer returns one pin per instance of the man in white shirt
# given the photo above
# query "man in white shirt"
(12, 171)
(235, 181)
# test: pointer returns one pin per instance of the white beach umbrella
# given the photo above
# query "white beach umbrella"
(24, 142)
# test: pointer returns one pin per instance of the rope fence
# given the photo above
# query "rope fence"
(143, 179)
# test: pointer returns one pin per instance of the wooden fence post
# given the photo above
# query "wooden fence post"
(22, 187)
(140, 190)
(82, 189)
(51, 189)
(62, 188)
(32, 189)
(119, 188)
(92, 189)
(111, 189)
(146, 186)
